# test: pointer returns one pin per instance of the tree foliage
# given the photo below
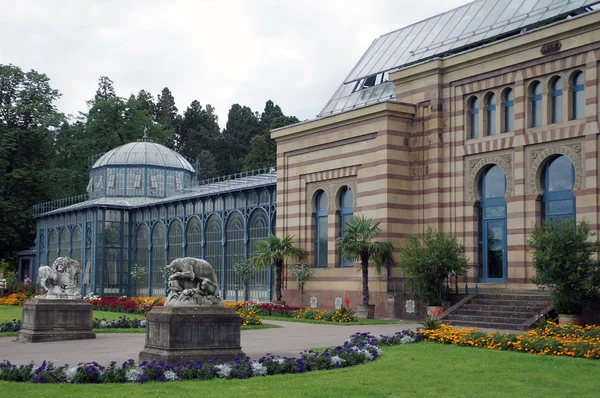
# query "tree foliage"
(565, 263)
(358, 244)
(429, 259)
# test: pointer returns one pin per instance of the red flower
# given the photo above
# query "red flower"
(287, 273)
(347, 302)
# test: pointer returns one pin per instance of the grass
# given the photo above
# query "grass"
(426, 369)
(361, 321)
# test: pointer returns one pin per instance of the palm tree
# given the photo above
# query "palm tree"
(357, 243)
(275, 251)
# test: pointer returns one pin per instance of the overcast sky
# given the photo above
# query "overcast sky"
(295, 53)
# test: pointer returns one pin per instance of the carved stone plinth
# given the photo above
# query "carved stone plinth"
(56, 320)
(181, 334)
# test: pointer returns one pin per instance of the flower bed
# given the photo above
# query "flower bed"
(122, 323)
(360, 348)
(132, 305)
(11, 326)
(552, 339)
(247, 311)
(344, 314)
(15, 299)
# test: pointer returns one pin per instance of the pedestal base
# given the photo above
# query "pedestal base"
(181, 334)
(365, 311)
(56, 320)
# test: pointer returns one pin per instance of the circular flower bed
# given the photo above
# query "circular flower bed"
(360, 348)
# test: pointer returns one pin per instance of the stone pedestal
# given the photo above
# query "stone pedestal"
(181, 334)
(56, 320)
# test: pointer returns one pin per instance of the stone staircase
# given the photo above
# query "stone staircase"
(501, 311)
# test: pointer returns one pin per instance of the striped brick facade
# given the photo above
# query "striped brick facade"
(411, 165)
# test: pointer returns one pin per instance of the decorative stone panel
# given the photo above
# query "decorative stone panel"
(475, 166)
(332, 188)
(538, 157)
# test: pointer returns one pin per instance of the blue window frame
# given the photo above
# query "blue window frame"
(492, 226)
(346, 212)
(474, 118)
(557, 100)
(491, 115)
(536, 104)
(509, 110)
(321, 236)
(558, 180)
(578, 96)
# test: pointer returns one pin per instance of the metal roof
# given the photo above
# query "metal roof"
(460, 29)
(143, 153)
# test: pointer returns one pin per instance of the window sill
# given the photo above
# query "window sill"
(568, 123)
(490, 138)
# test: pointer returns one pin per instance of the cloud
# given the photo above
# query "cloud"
(295, 53)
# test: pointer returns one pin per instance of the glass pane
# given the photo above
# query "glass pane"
(495, 211)
(322, 201)
(579, 104)
(557, 109)
(494, 183)
(474, 126)
(560, 175)
(322, 260)
(495, 246)
(560, 207)
(491, 122)
(347, 198)
(509, 118)
(536, 110)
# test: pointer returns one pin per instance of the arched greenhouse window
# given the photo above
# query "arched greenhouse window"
(536, 104)
(64, 242)
(491, 115)
(141, 256)
(175, 249)
(76, 238)
(492, 226)
(213, 246)
(578, 96)
(193, 238)
(258, 229)
(509, 110)
(557, 100)
(346, 212)
(158, 260)
(558, 179)
(52, 246)
(321, 236)
(234, 252)
(474, 118)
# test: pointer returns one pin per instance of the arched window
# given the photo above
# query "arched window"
(76, 237)
(258, 229)
(213, 237)
(557, 100)
(64, 242)
(509, 110)
(234, 252)
(558, 179)
(321, 230)
(492, 226)
(52, 246)
(474, 118)
(578, 96)
(346, 211)
(175, 241)
(536, 104)
(193, 238)
(491, 115)
(141, 256)
(158, 259)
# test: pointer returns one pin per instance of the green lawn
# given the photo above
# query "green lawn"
(426, 369)
(361, 321)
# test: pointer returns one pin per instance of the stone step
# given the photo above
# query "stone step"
(488, 325)
(524, 297)
(493, 313)
(481, 307)
(484, 319)
(509, 303)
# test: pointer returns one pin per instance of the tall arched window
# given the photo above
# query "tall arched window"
(558, 179)
(258, 229)
(52, 246)
(76, 237)
(234, 252)
(491, 115)
(193, 238)
(578, 96)
(213, 236)
(64, 242)
(474, 118)
(321, 230)
(158, 259)
(492, 225)
(536, 104)
(557, 100)
(346, 212)
(141, 256)
(509, 110)
(175, 249)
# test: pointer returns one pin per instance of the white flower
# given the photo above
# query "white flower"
(104, 324)
(171, 376)
(281, 361)
(70, 373)
(337, 361)
(132, 375)
(223, 370)
(374, 347)
(258, 369)
(407, 340)
(143, 323)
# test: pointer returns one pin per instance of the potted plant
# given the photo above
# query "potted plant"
(428, 260)
(358, 243)
(275, 251)
(563, 256)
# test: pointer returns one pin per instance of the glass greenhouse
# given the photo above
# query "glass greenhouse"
(144, 207)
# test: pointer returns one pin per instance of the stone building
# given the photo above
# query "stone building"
(480, 122)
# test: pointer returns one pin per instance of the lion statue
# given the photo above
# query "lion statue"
(191, 282)
(58, 281)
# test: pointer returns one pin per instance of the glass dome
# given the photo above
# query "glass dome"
(140, 169)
